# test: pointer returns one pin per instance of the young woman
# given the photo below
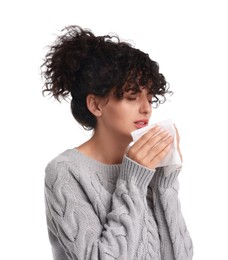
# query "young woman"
(104, 199)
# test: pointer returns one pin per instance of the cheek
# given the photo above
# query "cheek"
(120, 110)
(112, 114)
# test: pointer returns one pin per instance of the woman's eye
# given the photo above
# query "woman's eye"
(131, 98)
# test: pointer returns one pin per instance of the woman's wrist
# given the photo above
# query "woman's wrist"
(131, 171)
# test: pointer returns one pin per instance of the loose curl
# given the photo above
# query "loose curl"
(80, 63)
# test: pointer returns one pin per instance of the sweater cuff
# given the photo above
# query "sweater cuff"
(131, 171)
(161, 181)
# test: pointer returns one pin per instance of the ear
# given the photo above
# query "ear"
(93, 104)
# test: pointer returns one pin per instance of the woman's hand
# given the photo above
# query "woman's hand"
(151, 148)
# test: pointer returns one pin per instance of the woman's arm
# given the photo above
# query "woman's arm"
(176, 243)
(75, 229)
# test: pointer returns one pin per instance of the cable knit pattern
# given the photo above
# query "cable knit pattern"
(98, 211)
(169, 217)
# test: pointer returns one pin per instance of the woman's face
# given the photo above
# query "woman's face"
(121, 117)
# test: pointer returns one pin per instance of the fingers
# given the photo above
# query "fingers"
(151, 148)
(152, 132)
(159, 152)
(156, 143)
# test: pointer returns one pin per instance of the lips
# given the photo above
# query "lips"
(141, 123)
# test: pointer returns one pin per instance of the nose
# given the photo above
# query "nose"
(145, 106)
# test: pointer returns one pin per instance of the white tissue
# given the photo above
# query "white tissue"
(172, 160)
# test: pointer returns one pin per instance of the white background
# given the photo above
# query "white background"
(189, 41)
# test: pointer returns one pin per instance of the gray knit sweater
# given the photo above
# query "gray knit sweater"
(123, 211)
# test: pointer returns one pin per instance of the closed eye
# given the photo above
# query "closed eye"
(132, 96)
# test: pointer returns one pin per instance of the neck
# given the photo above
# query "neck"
(107, 149)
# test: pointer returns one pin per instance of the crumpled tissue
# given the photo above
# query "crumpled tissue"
(172, 160)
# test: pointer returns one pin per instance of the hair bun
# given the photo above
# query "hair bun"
(64, 59)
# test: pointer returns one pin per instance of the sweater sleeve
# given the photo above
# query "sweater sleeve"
(74, 226)
(176, 243)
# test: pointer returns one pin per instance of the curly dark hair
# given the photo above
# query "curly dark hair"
(80, 63)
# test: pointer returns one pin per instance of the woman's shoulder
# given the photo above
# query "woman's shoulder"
(58, 169)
